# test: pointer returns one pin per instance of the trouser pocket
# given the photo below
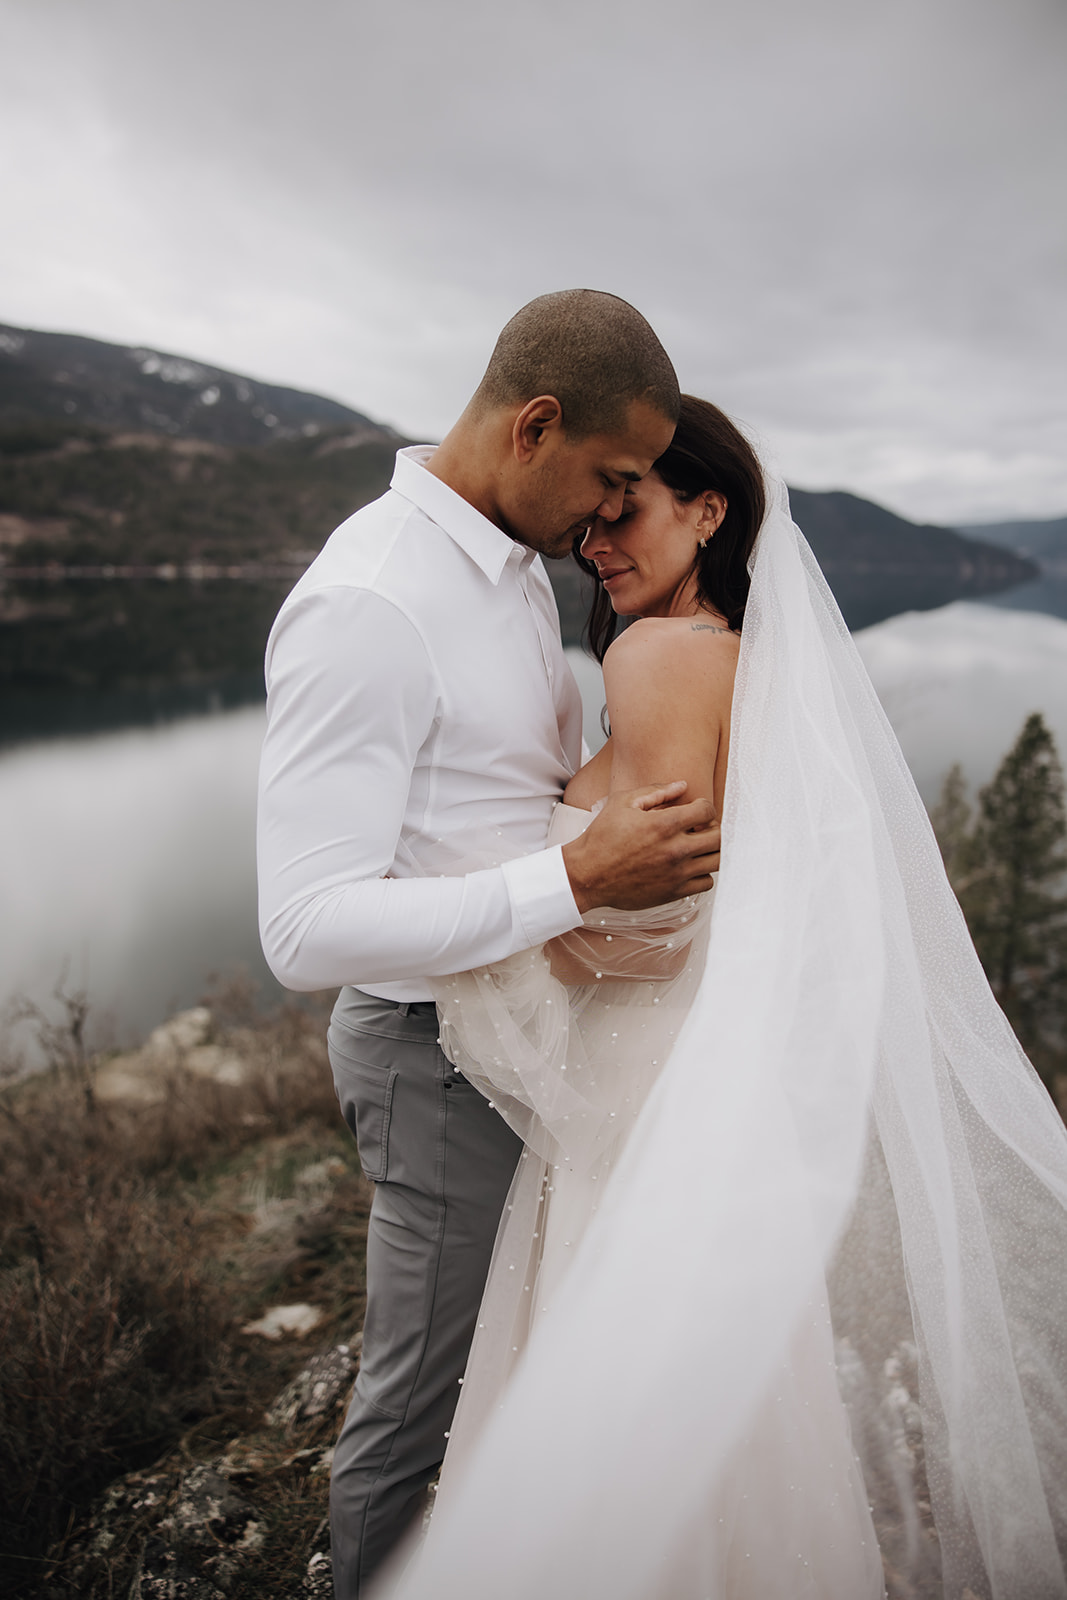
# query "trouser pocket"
(365, 1082)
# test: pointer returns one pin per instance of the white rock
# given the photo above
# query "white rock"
(180, 1033)
(279, 1320)
(321, 1175)
(214, 1061)
(126, 1078)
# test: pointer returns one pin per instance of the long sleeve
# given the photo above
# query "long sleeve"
(352, 698)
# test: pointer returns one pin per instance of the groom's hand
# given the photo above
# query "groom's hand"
(644, 848)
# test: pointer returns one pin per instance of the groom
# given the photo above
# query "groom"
(419, 702)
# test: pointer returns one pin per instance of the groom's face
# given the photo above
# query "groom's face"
(574, 481)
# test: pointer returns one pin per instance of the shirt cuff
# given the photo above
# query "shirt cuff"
(541, 896)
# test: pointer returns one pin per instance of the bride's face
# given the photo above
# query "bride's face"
(647, 558)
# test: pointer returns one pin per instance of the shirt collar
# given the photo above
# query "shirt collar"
(486, 544)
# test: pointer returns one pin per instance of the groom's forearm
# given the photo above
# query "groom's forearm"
(386, 929)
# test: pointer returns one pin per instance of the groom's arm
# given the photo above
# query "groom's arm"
(352, 697)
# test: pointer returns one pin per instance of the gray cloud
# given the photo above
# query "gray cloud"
(844, 220)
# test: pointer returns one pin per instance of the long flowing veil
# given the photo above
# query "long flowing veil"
(845, 1103)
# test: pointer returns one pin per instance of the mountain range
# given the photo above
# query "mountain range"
(129, 463)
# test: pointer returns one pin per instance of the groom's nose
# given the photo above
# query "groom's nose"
(610, 508)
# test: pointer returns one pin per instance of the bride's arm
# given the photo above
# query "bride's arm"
(668, 684)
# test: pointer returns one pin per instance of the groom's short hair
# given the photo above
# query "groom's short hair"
(591, 351)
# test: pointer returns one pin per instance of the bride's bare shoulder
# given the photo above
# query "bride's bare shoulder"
(673, 647)
(669, 682)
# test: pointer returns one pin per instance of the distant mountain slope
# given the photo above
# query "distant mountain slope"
(879, 564)
(67, 378)
(1044, 541)
(114, 499)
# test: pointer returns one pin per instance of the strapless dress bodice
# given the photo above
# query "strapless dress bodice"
(566, 823)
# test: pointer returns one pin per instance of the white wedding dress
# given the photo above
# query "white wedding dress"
(583, 1065)
(794, 1468)
(805, 1325)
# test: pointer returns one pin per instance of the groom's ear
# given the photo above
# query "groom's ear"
(537, 421)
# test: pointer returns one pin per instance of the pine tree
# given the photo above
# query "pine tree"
(951, 818)
(1009, 869)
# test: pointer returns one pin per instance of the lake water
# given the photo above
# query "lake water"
(129, 866)
(129, 862)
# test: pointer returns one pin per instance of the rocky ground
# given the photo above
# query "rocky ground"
(182, 1238)
(196, 1530)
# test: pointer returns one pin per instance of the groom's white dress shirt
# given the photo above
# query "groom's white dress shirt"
(419, 704)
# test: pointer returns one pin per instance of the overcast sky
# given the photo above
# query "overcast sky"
(846, 219)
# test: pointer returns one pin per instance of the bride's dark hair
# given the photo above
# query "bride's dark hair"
(707, 452)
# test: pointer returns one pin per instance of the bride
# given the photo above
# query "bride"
(777, 1307)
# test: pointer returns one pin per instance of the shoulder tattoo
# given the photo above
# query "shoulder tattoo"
(707, 627)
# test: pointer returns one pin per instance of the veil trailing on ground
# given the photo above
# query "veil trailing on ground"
(845, 1103)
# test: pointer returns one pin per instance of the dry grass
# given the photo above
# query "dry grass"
(135, 1242)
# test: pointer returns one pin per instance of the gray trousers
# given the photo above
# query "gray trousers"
(442, 1162)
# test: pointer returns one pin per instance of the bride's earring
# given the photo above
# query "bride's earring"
(714, 514)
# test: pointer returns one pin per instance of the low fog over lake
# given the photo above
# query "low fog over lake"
(134, 872)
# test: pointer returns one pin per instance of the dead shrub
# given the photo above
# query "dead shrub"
(110, 1334)
(120, 1311)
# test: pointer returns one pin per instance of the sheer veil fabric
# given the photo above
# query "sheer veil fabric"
(845, 1195)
